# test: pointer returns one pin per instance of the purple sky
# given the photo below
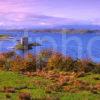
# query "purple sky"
(20, 10)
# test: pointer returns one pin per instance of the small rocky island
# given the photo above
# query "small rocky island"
(2, 36)
(25, 45)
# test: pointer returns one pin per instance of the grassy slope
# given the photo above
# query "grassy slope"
(90, 78)
(38, 89)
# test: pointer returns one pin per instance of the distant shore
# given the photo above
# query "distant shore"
(67, 31)
(53, 30)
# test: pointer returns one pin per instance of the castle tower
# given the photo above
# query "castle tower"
(24, 40)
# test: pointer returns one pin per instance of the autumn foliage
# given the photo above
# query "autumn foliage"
(46, 60)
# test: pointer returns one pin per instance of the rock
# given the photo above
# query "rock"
(8, 96)
(96, 78)
(94, 91)
(21, 87)
(97, 86)
(9, 90)
(25, 96)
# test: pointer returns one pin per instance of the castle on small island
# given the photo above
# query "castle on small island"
(24, 41)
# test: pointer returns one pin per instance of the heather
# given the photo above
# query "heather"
(48, 75)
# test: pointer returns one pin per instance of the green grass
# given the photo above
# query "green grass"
(10, 79)
(90, 78)
(37, 90)
(81, 96)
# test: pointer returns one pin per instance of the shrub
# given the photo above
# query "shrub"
(30, 62)
(24, 64)
(83, 65)
(42, 58)
(63, 63)
(48, 60)
(5, 59)
(17, 64)
(88, 65)
(78, 66)
(56, 61)
(8, 55)
(68, 64)
(97, 69)
(5, 63)
(2, 63)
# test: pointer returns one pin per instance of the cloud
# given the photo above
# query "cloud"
(25, 19)
(32, 12)
(17, 5)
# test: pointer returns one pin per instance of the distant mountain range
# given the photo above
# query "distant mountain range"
(28, 20)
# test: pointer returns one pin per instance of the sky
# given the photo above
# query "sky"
(19, 11)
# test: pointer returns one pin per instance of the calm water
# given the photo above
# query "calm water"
(74, 45)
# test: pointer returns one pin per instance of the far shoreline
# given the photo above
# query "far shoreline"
(53, 30)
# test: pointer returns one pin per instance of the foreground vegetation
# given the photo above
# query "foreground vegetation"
(48, 76)
(14, 86)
